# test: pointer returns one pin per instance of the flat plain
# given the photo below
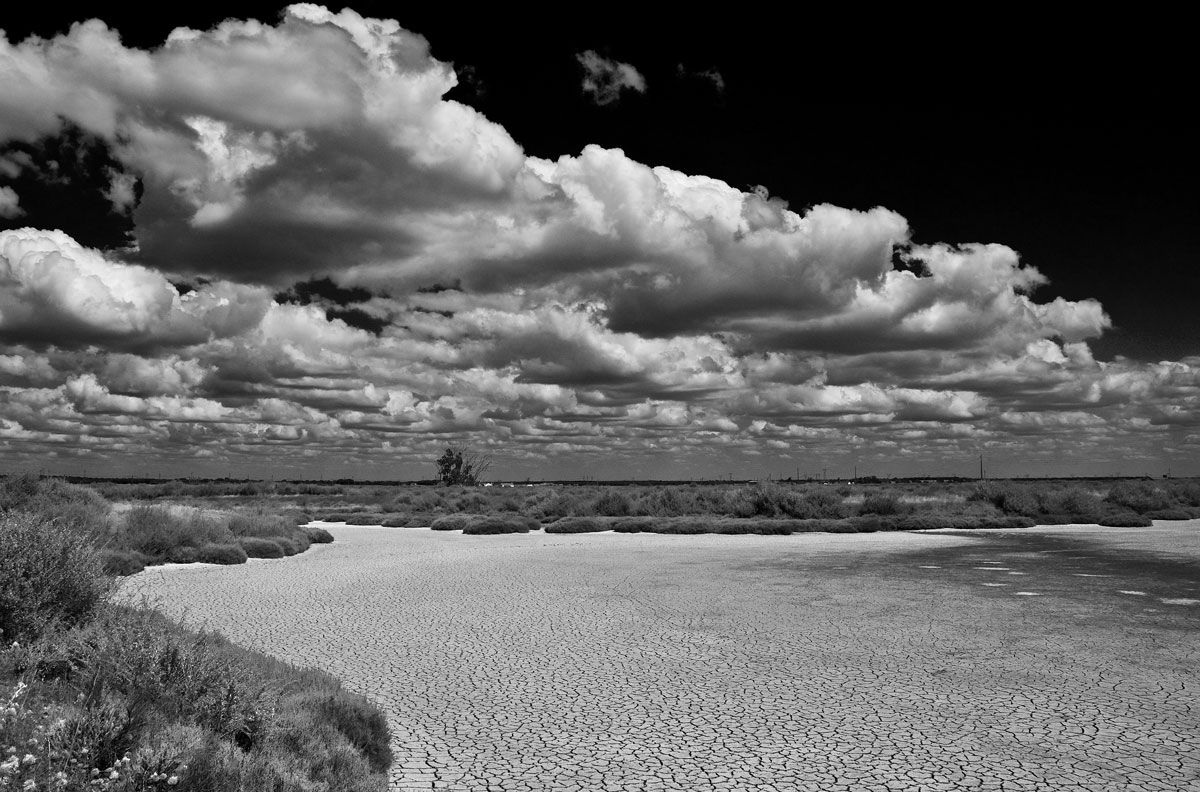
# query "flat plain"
(1059, 658)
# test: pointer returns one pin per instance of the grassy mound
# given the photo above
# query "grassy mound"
(501, 524)
(451, 522)
(569, 525)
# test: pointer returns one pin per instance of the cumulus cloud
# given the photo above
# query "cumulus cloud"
(324, 129)
(604, 79)
(10, 203)
(56, 291)
(372, 267)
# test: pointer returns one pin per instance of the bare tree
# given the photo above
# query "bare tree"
(462, 465)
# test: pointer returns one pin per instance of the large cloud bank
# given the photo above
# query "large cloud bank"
(589, 307)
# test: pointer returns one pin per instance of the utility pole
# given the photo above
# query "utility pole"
(981, 467)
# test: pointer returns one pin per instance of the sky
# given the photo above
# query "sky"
(272, 241)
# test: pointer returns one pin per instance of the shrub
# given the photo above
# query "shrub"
(502, 524)
(259, 524)
(1019, 500)
(881, 503)
(191, 704)
(611, 503)
(821, 503)
(153, 530)
(1175, 513)
(318, 535)
(258, 547)
(1139, 497)
(221, 554)
(563, 504)
(1186, 493)
(362, 723)
(665, 501)
(962, 522)
(451, 522)
(183, 554)
(632, 525)
(567, 525)
(121, 562)
(48, 574)
(1080, 505)
(764, 500)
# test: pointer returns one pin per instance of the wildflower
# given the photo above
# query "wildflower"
(29, 786)
(9, 766)
(28, 759)
(114, 775)
(173, 780)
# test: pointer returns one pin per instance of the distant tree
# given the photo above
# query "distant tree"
(461, 465)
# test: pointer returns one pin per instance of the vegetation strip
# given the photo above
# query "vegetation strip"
(100, 695)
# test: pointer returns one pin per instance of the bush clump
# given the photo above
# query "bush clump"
(568, 525)
(881, 503)
(451, 522)
(49, 575)
(1139, 497)
(500, 524)
(1175, 513)
(318, 535)
(221, 554)
(121, 562)
(258, 547)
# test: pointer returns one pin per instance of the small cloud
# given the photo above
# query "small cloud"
(9, 203)
(710, 75)
(13, 162)
(122, 191)
(605, 78)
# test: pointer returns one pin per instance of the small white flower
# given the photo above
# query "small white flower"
(173, 780)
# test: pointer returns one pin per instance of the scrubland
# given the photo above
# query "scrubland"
(768, 507)
(108, 695)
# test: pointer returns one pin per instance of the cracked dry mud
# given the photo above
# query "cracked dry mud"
(1050, 659)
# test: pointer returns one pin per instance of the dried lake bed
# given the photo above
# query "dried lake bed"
(1059, 658)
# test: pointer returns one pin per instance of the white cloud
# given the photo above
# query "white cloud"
(10, 204)
(604, 79)
(601, 306)
(57, 291)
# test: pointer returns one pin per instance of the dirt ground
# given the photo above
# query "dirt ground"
(1057, 658)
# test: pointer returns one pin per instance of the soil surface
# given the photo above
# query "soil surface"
(1059, 658)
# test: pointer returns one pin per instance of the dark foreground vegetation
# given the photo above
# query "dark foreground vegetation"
(106, 696)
